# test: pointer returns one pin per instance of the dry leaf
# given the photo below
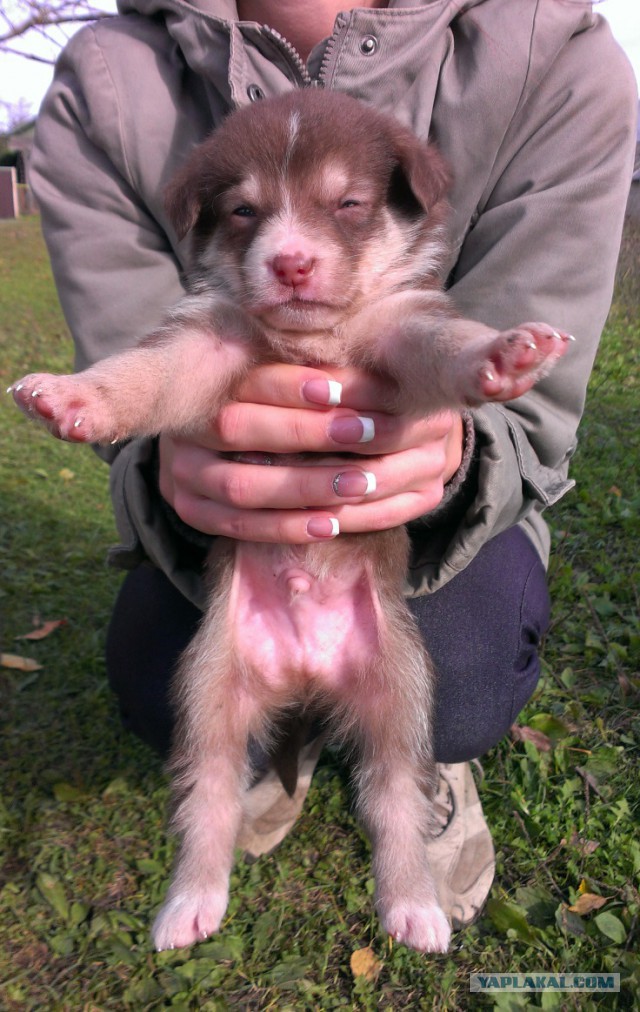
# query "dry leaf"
(585, 847)
(588, 902)
(66, 474)
(44, 630)
(590, 780)
(365, 964)
(19, 663)
(626, 688)
(537, 738)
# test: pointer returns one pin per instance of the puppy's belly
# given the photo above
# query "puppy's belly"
(296, 629)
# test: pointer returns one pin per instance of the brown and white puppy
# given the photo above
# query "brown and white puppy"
(318, 230)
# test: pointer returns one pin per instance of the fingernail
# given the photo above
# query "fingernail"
(352, 430)
(351, 483)
(320, 391)
(323, 527)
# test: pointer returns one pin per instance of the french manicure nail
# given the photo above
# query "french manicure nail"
(323, 527)
(354, 483)
(321, 391)
(352, 430)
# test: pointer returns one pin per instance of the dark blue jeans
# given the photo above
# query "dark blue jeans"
(483, 629)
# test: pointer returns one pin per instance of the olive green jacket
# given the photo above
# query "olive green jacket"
(532, 103)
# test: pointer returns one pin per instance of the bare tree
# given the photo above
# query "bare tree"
(15, 114)
(36, 29)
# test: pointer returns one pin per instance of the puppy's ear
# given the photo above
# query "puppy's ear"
(421, 173)
(182, 204)
(183, 200)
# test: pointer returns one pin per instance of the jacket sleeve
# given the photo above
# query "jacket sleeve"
(543, 246)
(114, 266)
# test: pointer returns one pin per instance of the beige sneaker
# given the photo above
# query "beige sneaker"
(461, 854)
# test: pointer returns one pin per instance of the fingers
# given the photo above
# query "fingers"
(326, 485)
(300, 386)
(296, 504)
(242, 426)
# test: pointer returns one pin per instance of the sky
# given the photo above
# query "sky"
(23, 82)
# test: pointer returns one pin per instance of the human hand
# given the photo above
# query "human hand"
(287, 409)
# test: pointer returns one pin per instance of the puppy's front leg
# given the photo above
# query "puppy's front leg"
(439, 360)
(175, 380)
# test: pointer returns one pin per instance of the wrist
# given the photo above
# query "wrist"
(456, 447)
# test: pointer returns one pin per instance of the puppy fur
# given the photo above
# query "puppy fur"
(318, 228)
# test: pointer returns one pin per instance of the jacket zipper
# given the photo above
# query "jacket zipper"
(293, 56)
(341, 23)
(291, 53)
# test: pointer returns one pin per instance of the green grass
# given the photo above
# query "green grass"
(84, 852)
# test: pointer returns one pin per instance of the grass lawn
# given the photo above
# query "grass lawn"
(84, 854)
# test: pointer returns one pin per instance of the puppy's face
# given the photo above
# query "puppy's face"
(305, 207)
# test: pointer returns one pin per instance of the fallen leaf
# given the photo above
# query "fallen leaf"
(585, 847)
(590, 780)
(19, 663)
(66, 474)
(365, 964)
(587, 903)
(537, 738)
(626, 687)
(612, 927)
(614, 490)
(44, 630)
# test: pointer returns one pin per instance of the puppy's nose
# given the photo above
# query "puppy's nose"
(292, 268)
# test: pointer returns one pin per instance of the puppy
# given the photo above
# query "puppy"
(318, 231)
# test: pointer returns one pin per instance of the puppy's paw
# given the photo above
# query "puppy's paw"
(421, 927)
(511, 363)
(188, 917)
(69, 406)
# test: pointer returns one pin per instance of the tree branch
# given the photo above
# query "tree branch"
(47, 16)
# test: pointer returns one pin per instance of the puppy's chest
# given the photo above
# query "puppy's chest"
(321, 348)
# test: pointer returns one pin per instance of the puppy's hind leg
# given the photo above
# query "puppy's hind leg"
(394, 789)
(211, 775)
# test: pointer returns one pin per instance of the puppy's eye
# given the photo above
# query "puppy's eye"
(244, 211)
(349, 202)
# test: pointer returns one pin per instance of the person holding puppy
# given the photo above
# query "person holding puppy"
(540, 133)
